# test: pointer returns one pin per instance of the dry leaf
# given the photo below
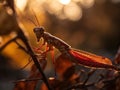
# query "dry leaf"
(62, 63)
(34, 73)
(117, 57)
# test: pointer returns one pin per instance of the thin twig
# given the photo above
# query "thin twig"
(21, 47)
(111, 80)
(10, 41)
(26, 64)
(90, 73)
(80, 86)
(27, 80)
(83, 85)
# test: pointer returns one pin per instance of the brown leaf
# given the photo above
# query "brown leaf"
(25, 85)
(70, 74)
(52, 82)
(34, 73)
(117, 57)
(57, 84)
(62, 63)
(20, 86)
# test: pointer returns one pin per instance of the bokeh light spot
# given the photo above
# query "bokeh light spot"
(9, 11)
(20, 4)
(116, 1)
(55, 7)
(65, 2)
(87, 3)
(73, 11)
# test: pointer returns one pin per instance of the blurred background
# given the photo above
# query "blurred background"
(90, 25)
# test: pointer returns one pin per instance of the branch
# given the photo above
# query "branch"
(10, 41)
(22, 36)
(25, 41)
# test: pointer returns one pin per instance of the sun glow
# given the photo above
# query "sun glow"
(20, 4)
(63, 9)
(65, 2)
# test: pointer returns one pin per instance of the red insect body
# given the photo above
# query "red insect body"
(91, 60)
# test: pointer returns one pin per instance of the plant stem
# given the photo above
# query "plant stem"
(25, 41)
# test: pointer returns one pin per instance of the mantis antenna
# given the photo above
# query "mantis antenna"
(35, 16)
(28, 18)
(32, 21)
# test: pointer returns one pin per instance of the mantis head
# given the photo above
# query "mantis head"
(39, 32)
